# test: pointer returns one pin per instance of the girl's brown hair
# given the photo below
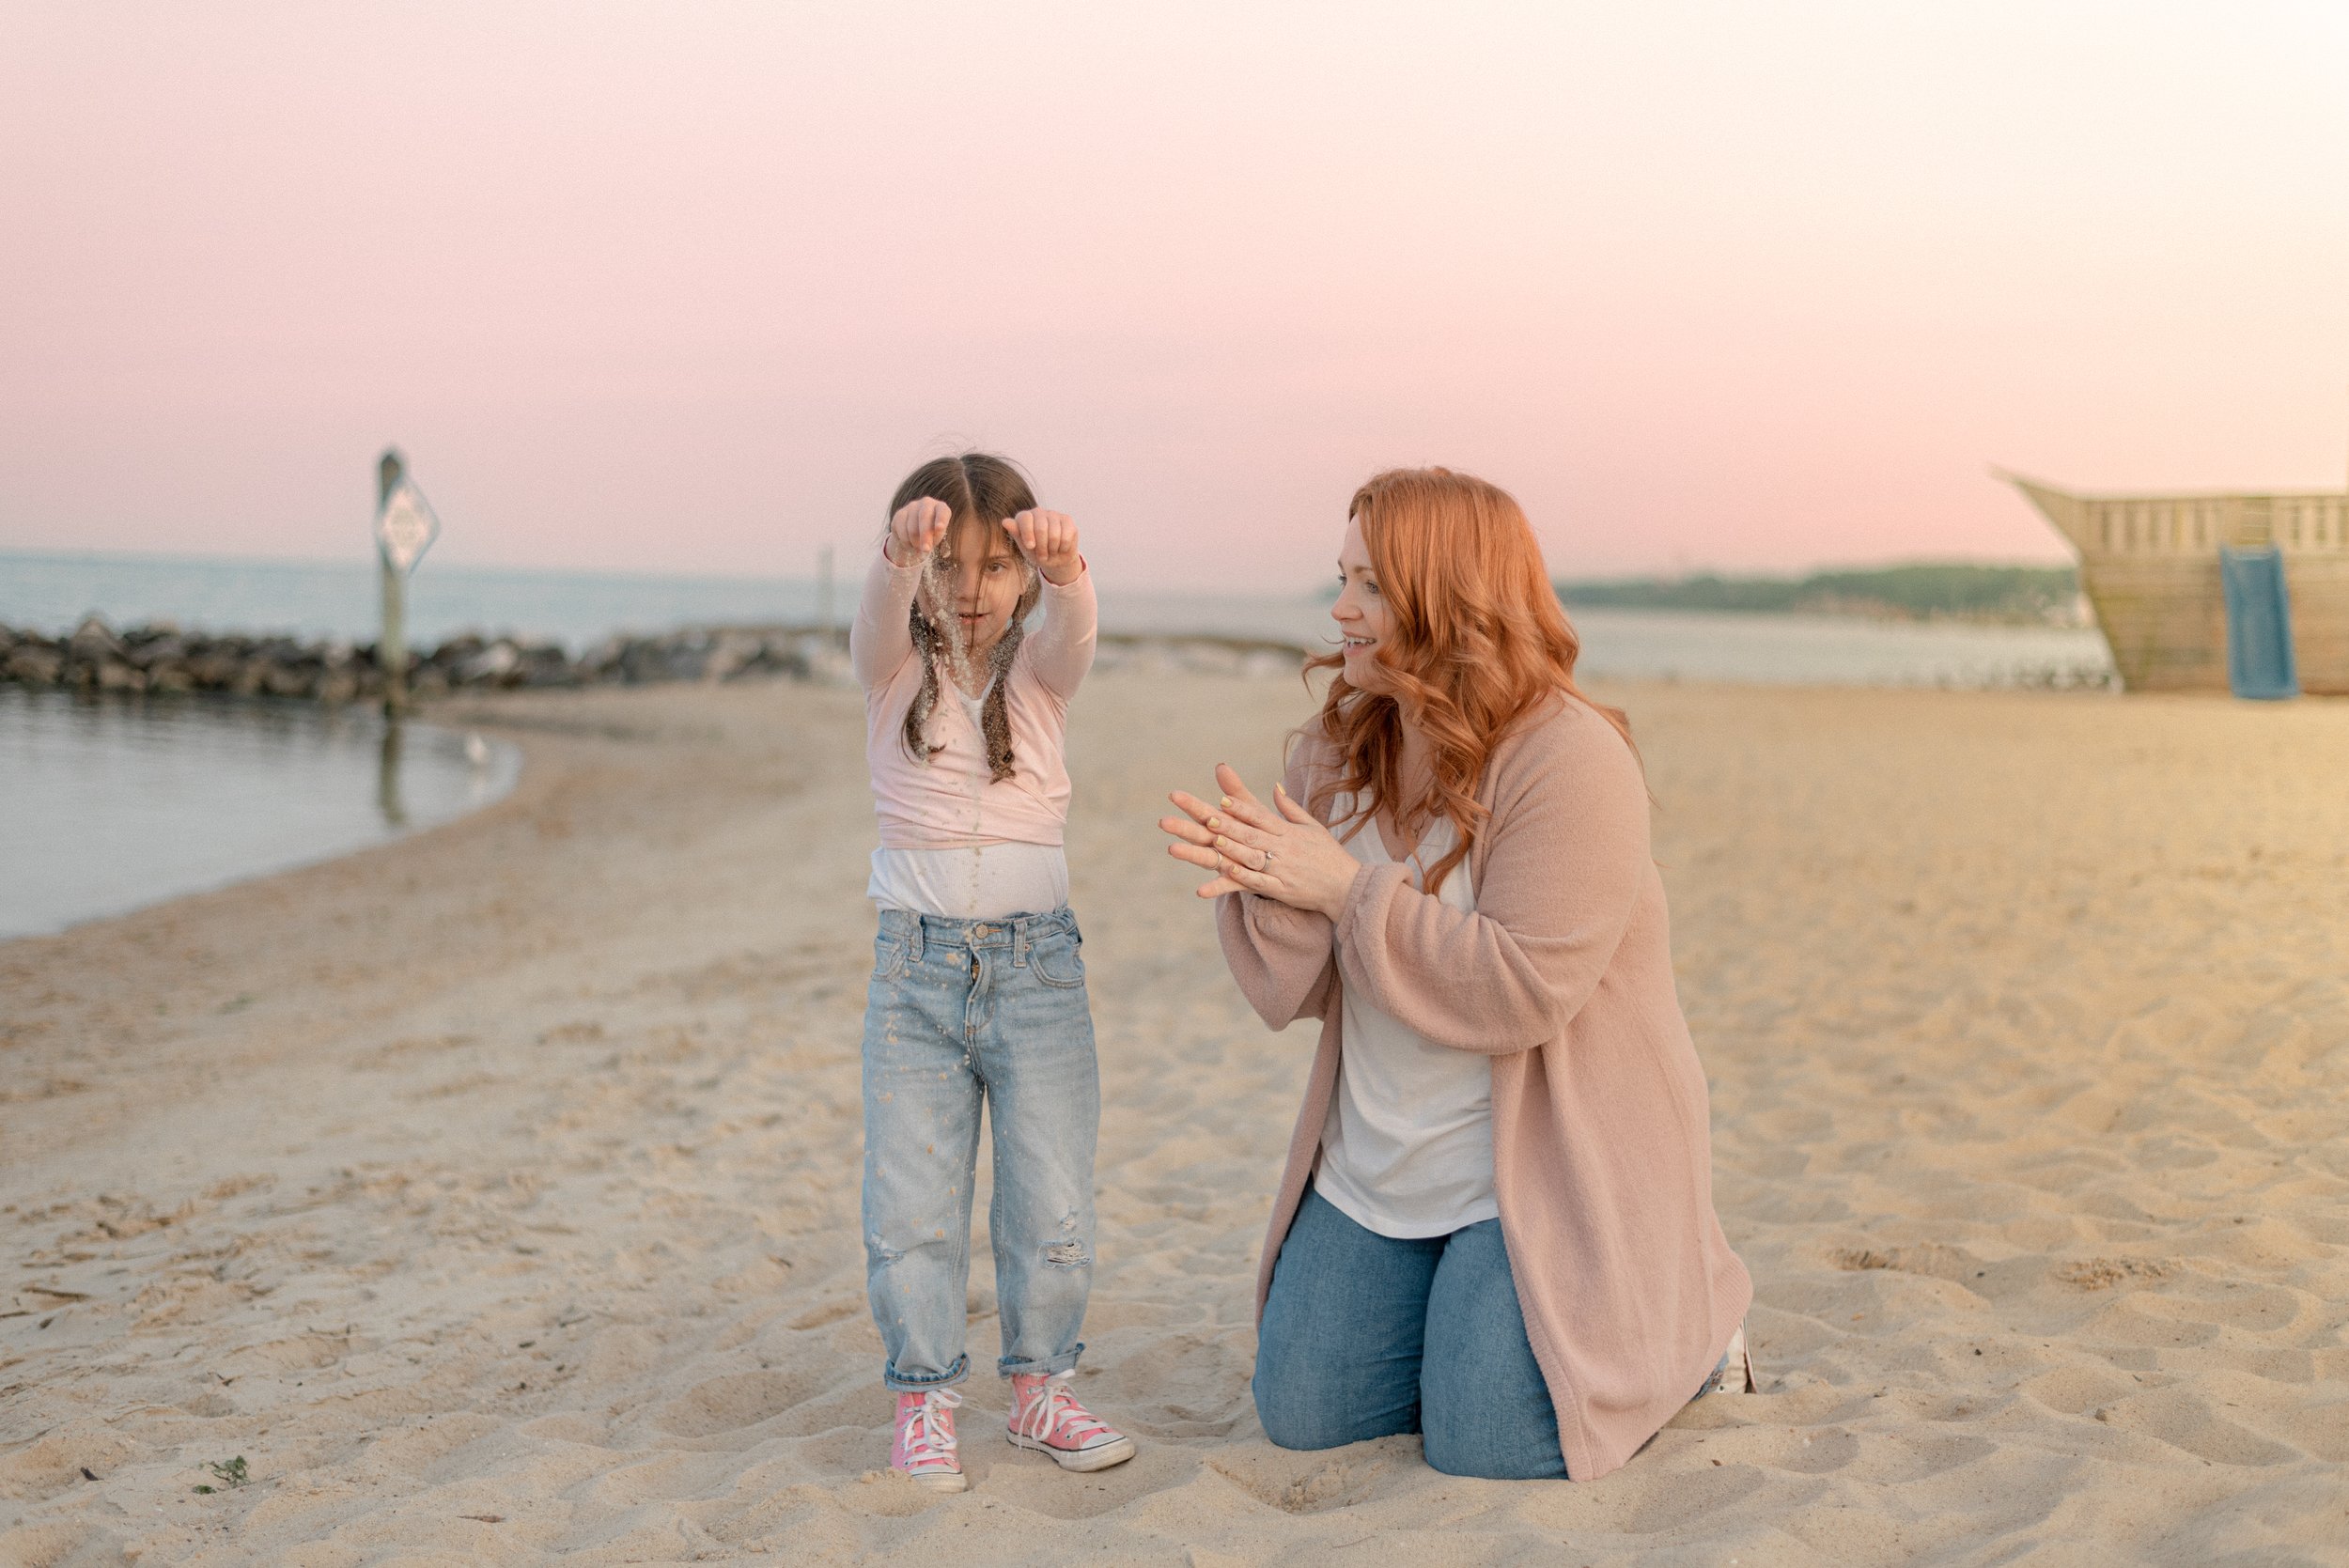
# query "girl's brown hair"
(1477, 642)
(977, 486)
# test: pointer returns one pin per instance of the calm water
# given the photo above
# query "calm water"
(52, 592)
(113, 805)
(1656, 644)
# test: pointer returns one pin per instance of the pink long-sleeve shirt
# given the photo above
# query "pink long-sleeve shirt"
(951, 801)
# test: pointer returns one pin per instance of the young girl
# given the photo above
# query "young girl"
(978, 983)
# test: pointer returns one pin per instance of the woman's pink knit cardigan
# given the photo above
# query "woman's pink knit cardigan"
(1602, 1157)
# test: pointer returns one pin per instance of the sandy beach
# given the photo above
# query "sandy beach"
(493, 1194)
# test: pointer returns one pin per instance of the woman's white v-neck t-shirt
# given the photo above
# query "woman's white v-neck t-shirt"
(1407, 1148)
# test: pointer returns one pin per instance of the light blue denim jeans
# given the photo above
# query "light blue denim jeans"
(960, 1010)
(1365, 1336)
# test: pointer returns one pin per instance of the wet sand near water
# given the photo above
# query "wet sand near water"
(494, 1193)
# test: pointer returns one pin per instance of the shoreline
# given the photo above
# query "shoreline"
(509, 1170)
(121, 804)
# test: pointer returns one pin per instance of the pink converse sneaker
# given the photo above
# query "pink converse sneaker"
(1045, 1417)
(924, 1446)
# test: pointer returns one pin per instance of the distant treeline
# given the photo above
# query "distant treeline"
(1908, 593)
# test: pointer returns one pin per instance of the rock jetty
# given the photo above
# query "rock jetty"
(96, 658)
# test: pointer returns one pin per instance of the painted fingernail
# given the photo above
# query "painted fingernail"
(1225, 802)
(1215, 822)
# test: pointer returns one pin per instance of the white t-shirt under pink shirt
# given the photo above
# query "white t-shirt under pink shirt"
(977, 881)
(1407, 1148)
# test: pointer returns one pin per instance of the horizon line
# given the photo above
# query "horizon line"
(362, 560)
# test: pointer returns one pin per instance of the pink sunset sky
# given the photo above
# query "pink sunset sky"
(687, 288)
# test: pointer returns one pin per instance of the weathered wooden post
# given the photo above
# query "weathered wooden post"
(823, 593)
(387, 795)
(404, 529)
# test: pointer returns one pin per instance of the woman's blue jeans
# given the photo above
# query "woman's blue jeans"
(1365, 1336)
(957, 1010)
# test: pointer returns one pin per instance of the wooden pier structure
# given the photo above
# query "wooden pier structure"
(2150, 566)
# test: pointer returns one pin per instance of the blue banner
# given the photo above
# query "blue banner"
(2258, 624)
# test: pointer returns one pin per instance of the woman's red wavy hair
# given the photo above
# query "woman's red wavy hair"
(1478, 642)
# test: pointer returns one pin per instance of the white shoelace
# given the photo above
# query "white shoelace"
(925, 1434)
(1043, 1413)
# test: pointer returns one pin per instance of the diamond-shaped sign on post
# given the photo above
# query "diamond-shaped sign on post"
(406, 527)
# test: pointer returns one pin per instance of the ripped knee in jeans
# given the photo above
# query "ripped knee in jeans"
(1067, 1254)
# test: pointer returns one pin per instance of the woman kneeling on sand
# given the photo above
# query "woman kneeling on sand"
(1496, 1227)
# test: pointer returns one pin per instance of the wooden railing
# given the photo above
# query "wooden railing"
(2178, 525)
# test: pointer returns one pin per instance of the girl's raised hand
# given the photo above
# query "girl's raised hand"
(1286, 854)
(916, 529)
(1049, 540)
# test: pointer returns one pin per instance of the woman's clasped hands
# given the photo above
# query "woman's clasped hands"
(1284, 853)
